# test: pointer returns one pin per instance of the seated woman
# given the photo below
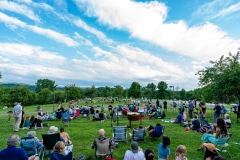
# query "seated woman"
(65, 136)
(149, 154)
(178, 119)
(227, 120)
(155, 131)
(210, 138)
(139, 127)
(27, 123)
(59, 152)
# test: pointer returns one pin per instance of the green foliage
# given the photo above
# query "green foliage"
(45, 83)
(135, 90)
(162, 87)
(45, 96)
(118, 91)
(222, 78)
(73, 92)
(106, 91)
(183, 94)
(91, 92)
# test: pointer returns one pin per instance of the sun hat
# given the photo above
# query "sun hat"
(134, 147)
(52, 129)
(210, 147)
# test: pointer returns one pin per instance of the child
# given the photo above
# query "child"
(163, 150)
(180, 153)
(27, 123)
(184, 116)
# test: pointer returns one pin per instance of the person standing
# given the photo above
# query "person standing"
(190, 109)
(203, 111)
(217, 111)
(165, 106)
(180, 104)
(17, 113)
(22, 120)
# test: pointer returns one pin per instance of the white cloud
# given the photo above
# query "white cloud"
(227, 11)
(17, 8)
(45, 32)
(146, 21)
(85, 41)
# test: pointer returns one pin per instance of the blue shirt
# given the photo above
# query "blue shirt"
(13, 153)
(163, 152)
(17, 110)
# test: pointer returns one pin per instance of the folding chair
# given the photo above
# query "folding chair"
(49, 140)
(138, 135)
(119, 133)
(29, 144)
(158, 132)
(225, 138)
(57, 156)
(65, 119)
(103, 149)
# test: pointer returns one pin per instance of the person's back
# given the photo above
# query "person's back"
(135, 153)
(163, 150)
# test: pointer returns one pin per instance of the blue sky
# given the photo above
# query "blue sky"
(115, 42)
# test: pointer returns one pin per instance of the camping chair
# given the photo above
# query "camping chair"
(57, 156)
(103, 148)
(229, 126)
(223, 146)
(158, 132)
(49, 140)
(65, 119)
(119, 133)
(138, 135)
(29, 144)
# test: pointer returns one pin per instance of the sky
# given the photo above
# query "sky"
(115, 42)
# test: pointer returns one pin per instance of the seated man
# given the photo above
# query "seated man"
(65, 114)
(206, 127)
(59, 114)
(14, 153)
(195, 124)
(124, 112)
(33, 134)
(102, 144)
(135, 152)
(178, 119)
(138, 137)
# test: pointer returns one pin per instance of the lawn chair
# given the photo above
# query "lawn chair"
(103, 148)
(29, 144)
(65, 119)
(57, 156)
(138, 135)
(223, 146)
(119, 133)
(49, 140)
(158, 132)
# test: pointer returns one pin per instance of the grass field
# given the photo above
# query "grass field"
(83, 131)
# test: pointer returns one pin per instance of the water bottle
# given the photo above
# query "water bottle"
(35, 127)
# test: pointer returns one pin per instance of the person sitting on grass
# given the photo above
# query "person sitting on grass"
(27, 123)
(163, 150)
(206, 127)
(38, 122)
(157, 130)
(180, 153)
(178, 119)
(210, 138)
(135, 152)
(149, 154)
(14, 153)
(195, 124)
(65, 136)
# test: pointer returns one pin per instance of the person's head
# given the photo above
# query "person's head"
(61, 129)
(222, 106)
(216, 103)
(32, 117)
(195, 117)
(181, 151)
(165, 141)
(195, 113)
(134, 147)
(221, 124)
(13, 140)
(158, 124)
(31, 133)
(59, 147)
(101, 133)
(52, 130)
(226, 116)
(149, 154)
(27, 118)
(140, 127)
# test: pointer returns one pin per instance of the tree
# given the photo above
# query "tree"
(45, 96)
(91, 92)
(152, 88)
(162, 87)
(222, 78)
(73, 92)
(45, 83)
(118, 91)
(135, 90)
(183, 94)
(0, 75)
(106, 91)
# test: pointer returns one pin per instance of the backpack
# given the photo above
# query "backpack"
(29, 145)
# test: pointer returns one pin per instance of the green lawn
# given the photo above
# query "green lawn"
(83, 131)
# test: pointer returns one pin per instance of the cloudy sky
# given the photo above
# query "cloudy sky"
(115, 42)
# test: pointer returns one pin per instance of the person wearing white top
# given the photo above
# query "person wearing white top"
(135, 153)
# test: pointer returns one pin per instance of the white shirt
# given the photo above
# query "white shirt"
(129, 155)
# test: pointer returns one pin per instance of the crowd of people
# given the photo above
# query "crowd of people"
(198, 122)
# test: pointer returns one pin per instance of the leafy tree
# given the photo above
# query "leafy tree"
(45, 83)
(162, 87)
(135, 90)
(106, 91)
(74, 92)
(0, 75)
(152, 88)
(147, 92)
(20, 93)
(91, 92)
(118, 91)
(4, 96)
(222, 78)
(183, 94)
(59, 96)
(45, 96)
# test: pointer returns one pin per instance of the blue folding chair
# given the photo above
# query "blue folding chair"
(119, 133)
